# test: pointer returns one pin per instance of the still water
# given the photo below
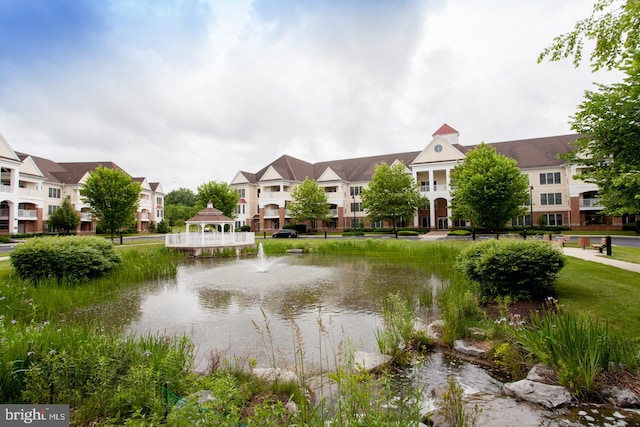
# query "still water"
(231, 306)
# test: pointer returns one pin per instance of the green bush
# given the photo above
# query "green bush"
(72, 258)
(245, 228)
(521, 269)
(407, 233)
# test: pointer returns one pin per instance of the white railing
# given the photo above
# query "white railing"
(196, 240)
(333, 212)
(424, 188)
(27, 213)
(5, 188)
(25, 192)
(144, 217)
(271, 213)
(84, 216)
(590, 202)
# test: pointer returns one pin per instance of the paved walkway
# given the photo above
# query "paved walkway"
(595, 256)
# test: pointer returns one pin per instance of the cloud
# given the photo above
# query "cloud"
(185, 92)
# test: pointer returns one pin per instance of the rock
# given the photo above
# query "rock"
(204, 396)
(275, 374)
(622, 398)
(294, 251)
(462, 347)
(543, 374)
(478, 332)
(547, 395)
(369, 361)
(433, 329)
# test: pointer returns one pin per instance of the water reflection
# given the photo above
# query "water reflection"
(225, 306)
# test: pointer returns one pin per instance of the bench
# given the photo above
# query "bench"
(600, 246)
(558, 240)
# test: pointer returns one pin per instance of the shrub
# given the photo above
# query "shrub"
(163, 227)
(245, 228)
(72, 258)
(521, 269)
(407, 233)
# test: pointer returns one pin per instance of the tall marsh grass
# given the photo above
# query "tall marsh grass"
(578, 348)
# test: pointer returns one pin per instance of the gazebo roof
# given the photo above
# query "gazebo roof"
(210, 215)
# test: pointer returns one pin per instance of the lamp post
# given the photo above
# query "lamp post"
(353, 208)
(531, 205)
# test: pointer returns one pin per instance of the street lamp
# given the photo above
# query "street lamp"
(353, 208)
(531, 205)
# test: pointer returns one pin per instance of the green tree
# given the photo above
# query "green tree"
(488, 188)
(113, 196)
(181, 196)
(610, 150)
(392, 194)
(65, 218)
(221, 195)
(309, 202)
(174, 214)
(613, 26)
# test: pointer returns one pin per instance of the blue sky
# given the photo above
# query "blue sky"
(188, 91)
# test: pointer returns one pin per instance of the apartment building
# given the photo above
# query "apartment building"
(32, 187)
(557, 199)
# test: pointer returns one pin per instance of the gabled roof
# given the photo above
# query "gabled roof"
(362, 168)
(537, 152)
(445, 129)
(73, 172)
(48, 167)
(289, 168)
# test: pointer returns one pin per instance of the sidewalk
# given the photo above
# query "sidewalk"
(595, 256)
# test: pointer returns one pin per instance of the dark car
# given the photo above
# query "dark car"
(285, 233)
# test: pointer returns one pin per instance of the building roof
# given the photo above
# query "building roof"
(529, 153)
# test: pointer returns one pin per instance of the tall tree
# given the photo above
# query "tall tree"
(181, 196)
(488, 188)
(392, 194)
(221, 195)
(65, 218)
(309, 202)
(113, 196)
(613, 26)
(610, 150)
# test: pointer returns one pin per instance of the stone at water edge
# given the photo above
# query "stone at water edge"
(549, 396)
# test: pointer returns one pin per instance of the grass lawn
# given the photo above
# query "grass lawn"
(603, 293)
(625, 253)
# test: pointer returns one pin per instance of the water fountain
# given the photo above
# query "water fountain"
(262, 263)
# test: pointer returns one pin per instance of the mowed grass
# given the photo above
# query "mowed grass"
(602, 293)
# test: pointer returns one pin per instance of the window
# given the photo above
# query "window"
(378, 224)
(550, 178)
(521, 221)
(553, 219)
(356, 207)
(240, 192)
(158, 200)
(159, 213)
(551, 198)
(331, 189)
(54, 192)
(51, 209)
(354, 191)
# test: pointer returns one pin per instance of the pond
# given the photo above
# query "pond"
(266, 308)
(232, 306)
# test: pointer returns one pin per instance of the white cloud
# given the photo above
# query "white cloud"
(196, 91)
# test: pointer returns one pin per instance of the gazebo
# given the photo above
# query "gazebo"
(209, 230)
(210, 216)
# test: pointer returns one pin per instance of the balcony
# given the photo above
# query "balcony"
(86, 217)
(144, 217)
(333, 212)
(27, 214)
(5, 188)
(437, 187)
(593, 203)
(272, 213)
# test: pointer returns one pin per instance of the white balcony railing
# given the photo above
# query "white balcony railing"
(5, 188)
(195, 240)
(27, 213)
(144, 217)
(590, 202)
(270, 213)
(86, 217)
(333, 212)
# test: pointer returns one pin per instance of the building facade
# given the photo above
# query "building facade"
(32, 188)
(557, 199)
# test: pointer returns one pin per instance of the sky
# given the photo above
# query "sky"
(185, 92)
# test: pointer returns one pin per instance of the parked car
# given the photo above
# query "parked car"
(285, 233)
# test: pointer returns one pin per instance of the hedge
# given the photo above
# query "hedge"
(72, 258)
(521, 269)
